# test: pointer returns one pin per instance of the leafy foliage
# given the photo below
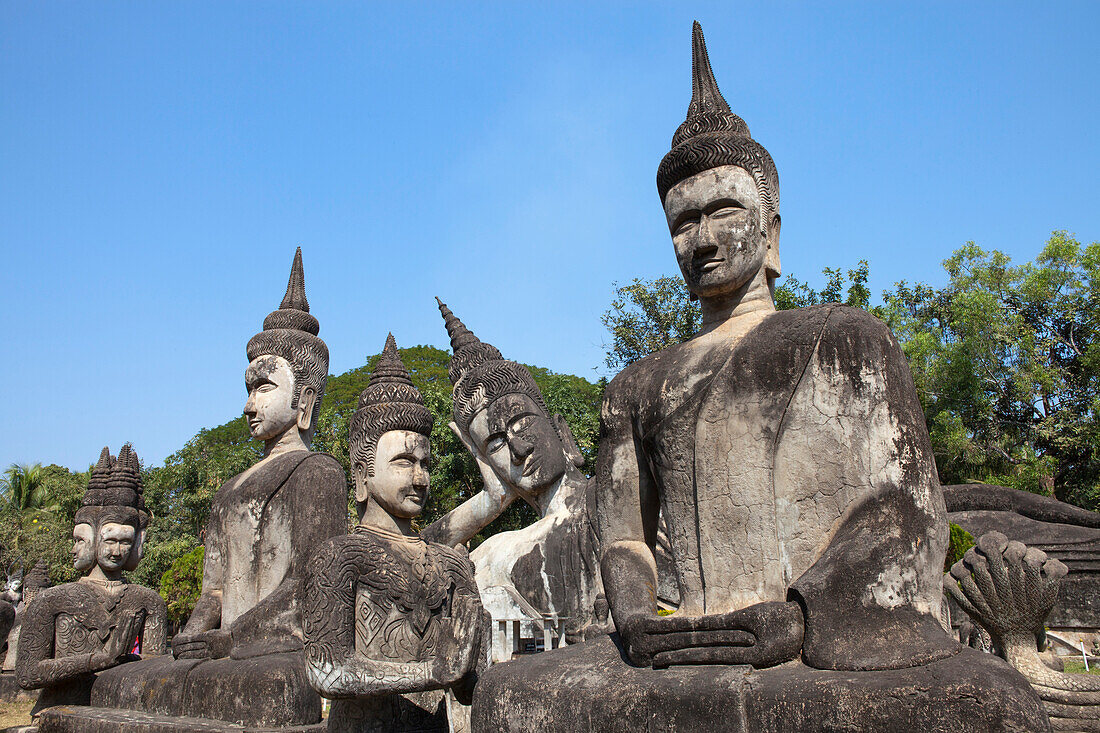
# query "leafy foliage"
(39, 503)
(957, 545)
(1006, 360)
(181, 585)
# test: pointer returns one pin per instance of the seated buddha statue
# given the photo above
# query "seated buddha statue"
(73, 631)
(239, 656)
(788, 455)
(551, 567)
(392, 621)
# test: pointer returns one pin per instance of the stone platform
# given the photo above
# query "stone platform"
(10, 691)
(64, 719)
(590, 687)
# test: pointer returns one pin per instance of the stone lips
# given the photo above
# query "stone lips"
(291, 332)
(389, 402)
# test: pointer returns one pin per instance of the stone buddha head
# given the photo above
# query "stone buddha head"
(720, 191)
(110, 525)
(389, 441)
(500, 409)
(288, 367)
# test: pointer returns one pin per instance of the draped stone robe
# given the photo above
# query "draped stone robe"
(795, 465)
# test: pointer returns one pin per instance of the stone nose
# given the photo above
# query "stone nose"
(521, 447)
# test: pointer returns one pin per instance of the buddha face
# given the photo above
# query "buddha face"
(402, 465)
(715, 221)
(83, 552)
(116, 541)
(270, 384)
(519, 441)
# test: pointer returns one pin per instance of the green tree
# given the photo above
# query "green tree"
(1006, 359)
(181, 585)
(648, 315)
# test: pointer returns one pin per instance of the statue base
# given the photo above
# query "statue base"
(591, 687)
(10, 691)
(260, 693)
(64, 719)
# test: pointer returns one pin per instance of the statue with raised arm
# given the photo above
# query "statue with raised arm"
(788, 455)
(551, 567)
(239, 657)
(73, 631)
(392, 621)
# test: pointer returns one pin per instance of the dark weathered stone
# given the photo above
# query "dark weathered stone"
(788, 455)
(590, 687)
(239, 657)
(1065, 532)
(550, 569)
(393, 623)
(72, 631)
(7, 620)
(1009, 589)
(67, 719)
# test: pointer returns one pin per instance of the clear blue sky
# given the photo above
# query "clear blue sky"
(159, 162)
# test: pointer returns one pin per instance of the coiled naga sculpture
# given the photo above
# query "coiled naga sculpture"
(1009, 589)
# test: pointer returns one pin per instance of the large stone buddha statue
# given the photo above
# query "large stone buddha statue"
(789, 457)
(393, 622)
(548, 570)
(73, 631)
(239, 658)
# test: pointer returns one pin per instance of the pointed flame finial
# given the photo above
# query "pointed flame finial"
(295, 298)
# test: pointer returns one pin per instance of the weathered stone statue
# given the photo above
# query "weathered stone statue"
(524, 453)
(239, 657)
(23, 589)
(788, 454)
(72, 631)
(1010, 589)
(1065, 532)
(392, 621)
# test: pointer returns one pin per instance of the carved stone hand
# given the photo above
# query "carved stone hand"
(761, 635)
(458, 642)
(214, 643)
(121, 641)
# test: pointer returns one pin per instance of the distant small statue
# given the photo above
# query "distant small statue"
(74, 630)
(391, 621)
(524, 452)
(1009, 589)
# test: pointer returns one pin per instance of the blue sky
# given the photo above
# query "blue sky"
(159, 162)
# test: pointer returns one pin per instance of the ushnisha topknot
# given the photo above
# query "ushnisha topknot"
(712, 136)
(389, 402)
(291, 332)
(115, 491)
(480, 374)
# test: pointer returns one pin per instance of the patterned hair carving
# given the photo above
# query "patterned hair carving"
(390, 402)
(291, 332)
(115, 492)
(480, 374)
(713, 136)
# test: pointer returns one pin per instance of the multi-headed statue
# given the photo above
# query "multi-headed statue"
(551, 566)
(72, 631)
(392, 621)
(239, 657)
(789, 457)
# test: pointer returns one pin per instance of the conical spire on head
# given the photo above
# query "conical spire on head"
(115, 492)
(480, 374)
(468, 350)
(291, 332)
(389, 402)
(712, 136)
(708, 110)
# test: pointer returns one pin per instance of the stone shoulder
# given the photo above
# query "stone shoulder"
(149, 597)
